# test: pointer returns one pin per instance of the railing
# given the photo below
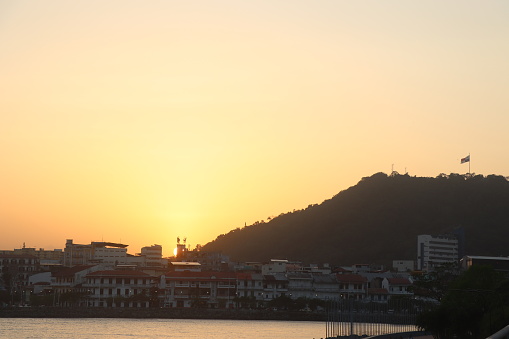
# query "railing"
(349, 317)
(220, 285)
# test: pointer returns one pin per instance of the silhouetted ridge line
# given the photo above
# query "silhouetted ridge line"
(378, 220)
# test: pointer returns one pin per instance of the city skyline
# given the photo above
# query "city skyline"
(141, 122)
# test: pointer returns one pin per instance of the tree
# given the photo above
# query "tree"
(473, 307)
(434, 285)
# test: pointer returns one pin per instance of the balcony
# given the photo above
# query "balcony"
(221, 285)
(181, 296)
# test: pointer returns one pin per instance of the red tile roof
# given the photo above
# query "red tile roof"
(205, 275)
(351, 278)
(72, 270)
(119, 273)
(399, 281)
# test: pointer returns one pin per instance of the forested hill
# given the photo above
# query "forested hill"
(378, 220)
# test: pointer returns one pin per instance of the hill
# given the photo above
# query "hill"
(378, 220)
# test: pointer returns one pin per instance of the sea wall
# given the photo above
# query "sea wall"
(157, 313)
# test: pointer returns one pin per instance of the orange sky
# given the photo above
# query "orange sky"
(141, 121)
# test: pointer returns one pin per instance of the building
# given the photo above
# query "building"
(403, 265)
(39, 282)
(378, 295)
(94, 253)
(153, 255)
(300, 285)
(199, 289)
(44, 256)
(352, 286)
(274, 266)
(500, 264)
(275, 286)
(435, 251)
(181, 266)
(118, 288)
(16, 268)
(325, 287)
(398, 286)
(68, 285)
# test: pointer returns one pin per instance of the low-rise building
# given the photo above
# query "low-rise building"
(352, 286)
(274, 286)
(300, 285)
(379, 295)
(398, 286)
(250, 288)
(497, 263)
(325, 287)
(403, 265)
(274, 266)
(198, 289)
(119, 288)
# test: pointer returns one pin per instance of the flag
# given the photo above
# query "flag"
(465, 159)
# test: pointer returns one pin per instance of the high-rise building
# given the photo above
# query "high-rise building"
(434, 251)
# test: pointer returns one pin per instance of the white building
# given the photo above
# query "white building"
(398, 286)
(274, 266)
(403, 265)
(435, 251)
(118, 288)
(93, 253)
(110, 255)
(153, 256)
(199, 289)
(300, 285)
(352, 286)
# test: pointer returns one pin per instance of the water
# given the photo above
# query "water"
(41, 328)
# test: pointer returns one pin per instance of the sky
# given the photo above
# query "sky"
(141, 121)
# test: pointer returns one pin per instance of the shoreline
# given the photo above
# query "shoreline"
(158, 313)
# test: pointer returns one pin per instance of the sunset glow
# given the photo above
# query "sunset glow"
(139, 121)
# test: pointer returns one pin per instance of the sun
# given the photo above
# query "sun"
(175, 252)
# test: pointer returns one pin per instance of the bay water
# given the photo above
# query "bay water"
(42, 328)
